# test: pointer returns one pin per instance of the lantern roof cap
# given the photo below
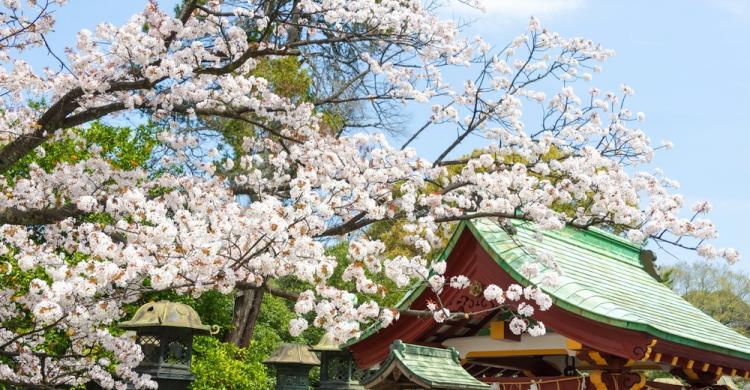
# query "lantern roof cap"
(166, 314)
(326, 343)
(293, 354)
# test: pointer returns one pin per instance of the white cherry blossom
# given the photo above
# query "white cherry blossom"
(104, 236)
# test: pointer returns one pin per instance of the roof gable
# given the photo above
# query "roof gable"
(436, 368)
(604, 280)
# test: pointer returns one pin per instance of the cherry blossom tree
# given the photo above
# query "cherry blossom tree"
(81, 239)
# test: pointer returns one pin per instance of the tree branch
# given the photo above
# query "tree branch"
(26, 217)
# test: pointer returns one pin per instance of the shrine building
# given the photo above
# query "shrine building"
(612, 322)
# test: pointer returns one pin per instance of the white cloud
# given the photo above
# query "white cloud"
(735, 7)
(513, 9)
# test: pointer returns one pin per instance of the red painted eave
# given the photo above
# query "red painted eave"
(470, 259)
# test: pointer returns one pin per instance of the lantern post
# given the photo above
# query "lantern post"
(337, 368)
(165, 331)
(293, 363)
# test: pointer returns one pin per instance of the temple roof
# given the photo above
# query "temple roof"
(434, 368)
(604, 279)
(609, 299)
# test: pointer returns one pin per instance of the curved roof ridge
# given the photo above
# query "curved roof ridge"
(628, 297)
(436, 368)
(592, 239)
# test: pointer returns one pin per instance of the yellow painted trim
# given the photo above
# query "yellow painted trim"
(689, 366)
(674, 361)
(733, 372)
(597, 358)
(520, 352)
(690, 373)
(497, 330)
(657, 358)
(705, 367)
(719, 371)
(747, 374)
(629, 363)
(572, 344)
(640, 384)
(648, 349)
(596, 380)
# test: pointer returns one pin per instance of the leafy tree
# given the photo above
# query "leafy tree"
(220, 365)
(271, 147)
(716, 289)
(723, 305)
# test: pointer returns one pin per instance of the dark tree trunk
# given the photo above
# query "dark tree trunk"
(246, 310)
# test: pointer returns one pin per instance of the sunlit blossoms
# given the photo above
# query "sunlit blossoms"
(494, 293)
(84, 237)
(517, 325)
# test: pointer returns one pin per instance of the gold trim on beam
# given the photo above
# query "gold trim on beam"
(689, 365)
(719, 371)
(572, 344)
(674, 361)
(640, 384)
(648, 349)
(596, 379)
(597, 357)
(657, 358)
(705, 367)
(690, 373)
(733, 372)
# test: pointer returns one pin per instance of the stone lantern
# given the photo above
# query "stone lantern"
(337, 368)
(165, 331)
(293, 363)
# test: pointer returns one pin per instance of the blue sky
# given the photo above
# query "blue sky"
(688, 63)
(687, 60)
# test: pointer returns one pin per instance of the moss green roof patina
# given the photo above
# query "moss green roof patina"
(435, 367)
(166, 314)
(293, 354)
(603, 279)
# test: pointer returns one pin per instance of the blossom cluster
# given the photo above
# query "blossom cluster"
(88, 238)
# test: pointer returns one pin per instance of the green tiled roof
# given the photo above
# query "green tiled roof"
(603, 279)
(435, 367)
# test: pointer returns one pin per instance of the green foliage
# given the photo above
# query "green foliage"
(708, 276)
(715, 289)
(275, 314)
(333, 122)
(218, 365)
(124, 147)
(213, 307)
(723, 305)
(285, 76)
(667, 276)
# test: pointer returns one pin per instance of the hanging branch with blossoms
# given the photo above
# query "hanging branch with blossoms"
(84, 238)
